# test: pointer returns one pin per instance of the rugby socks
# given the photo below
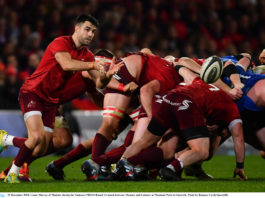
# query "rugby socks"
(115, 154)
(129, 138)
(23, 154)
(77, 153)
(110, 157)
(99, 145)
(19, 141)
(151, 155)
(176, 165)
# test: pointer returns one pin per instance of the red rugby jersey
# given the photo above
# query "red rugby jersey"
(155, 67)
(49, 79)
(214, 103)
(189, 106)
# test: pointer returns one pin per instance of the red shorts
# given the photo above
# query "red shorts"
(124, 77)
(31, 104)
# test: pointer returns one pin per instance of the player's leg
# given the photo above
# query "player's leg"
(140, 128)
(261, 137)
(154, 157)
(100, 170)
(114, 109)
(36, 132)
(199, 151)
(55, 168)
(124, 170)
(9, 140)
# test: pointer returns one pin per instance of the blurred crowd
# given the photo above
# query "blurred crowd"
(193, 28)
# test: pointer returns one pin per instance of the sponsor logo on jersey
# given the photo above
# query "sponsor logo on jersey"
(184, 105)
(164, 99)
(244, 77)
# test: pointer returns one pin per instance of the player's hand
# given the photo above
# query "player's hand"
(130, 87)
(235, 93)
(241, 173)
(100, 66)
(114, 68)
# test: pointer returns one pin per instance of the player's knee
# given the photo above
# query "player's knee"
(36, 139)
(109, 124)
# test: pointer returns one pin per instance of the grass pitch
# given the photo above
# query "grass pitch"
(221, 167)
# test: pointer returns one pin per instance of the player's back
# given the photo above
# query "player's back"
(155, 67)
(214, 103)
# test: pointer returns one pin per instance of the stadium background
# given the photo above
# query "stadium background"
(193, 28)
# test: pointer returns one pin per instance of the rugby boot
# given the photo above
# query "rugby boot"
(104, 173)
(141, 173)
(153, 174)
(2, 176)
(24, 173)
(12, 178)
(124, 171)
(197, 171)
(90, 169)
(2, 146)
(168, 174)
(56, 173)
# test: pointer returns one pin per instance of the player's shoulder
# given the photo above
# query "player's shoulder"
(62, 39)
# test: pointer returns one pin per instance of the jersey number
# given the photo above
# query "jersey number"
(213, 88)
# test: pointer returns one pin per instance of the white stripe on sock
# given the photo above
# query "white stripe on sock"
(181, 163)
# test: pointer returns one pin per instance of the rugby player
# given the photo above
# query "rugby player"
(39, 97)
(185, 111)
(146, 70)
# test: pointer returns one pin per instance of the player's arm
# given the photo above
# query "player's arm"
(231, 72)
(101, 77)
(186, 74)
(130, 87)
(147, 93)
(189, 63)
(236, 130)
(234, 93)
(68, 64)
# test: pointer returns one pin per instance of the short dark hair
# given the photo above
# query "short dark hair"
(105, 53)
(86, 17)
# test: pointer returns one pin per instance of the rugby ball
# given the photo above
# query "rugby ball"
(211, 69)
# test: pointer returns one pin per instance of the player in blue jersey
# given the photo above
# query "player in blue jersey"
(252, 103)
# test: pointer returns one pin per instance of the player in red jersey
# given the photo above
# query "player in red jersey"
(40, 94)
(186, 109)
(144, 70)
